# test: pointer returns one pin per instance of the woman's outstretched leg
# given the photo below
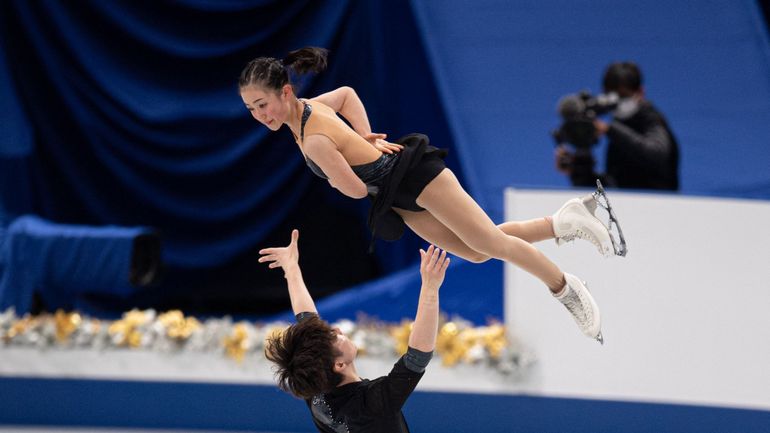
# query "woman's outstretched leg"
(432, 230)
(446, 200)
(453, 208)
(576, 219)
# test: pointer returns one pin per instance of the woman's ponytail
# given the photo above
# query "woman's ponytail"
(272, 73)
(307, 59)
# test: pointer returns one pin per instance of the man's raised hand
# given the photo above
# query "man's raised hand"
(433, 266)
(282, 257)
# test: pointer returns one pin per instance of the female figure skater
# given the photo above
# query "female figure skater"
(410, 184)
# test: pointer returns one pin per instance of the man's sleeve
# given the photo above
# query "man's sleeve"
(652, 145)
(389, 394)
(416, 360)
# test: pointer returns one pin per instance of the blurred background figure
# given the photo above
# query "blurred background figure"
(642, 152)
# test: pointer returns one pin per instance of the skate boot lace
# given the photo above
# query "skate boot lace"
(575, 304)
(580, 234)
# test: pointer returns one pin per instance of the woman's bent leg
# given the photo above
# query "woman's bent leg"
(532, 231)
(434, 231)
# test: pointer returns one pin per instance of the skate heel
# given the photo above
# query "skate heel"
(576, 219)
(589, 202)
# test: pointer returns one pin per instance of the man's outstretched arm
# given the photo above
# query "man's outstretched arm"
(433, 266)
(288, 259)
(406, 373)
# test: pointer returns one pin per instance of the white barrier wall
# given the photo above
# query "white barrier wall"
(685, 316)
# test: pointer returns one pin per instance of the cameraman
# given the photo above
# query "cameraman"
(642, 153)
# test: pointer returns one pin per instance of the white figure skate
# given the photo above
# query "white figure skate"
(579, 302)
(576, 219)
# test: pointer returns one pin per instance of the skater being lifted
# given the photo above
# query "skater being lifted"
(409, 182)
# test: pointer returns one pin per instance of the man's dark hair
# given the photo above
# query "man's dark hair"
(622, 75)
(304, 356)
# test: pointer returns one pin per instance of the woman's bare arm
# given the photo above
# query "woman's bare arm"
(324, 153)
(345, 101)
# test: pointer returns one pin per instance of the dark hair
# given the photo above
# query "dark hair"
(622, 75)
(273, 73)
(304, 356)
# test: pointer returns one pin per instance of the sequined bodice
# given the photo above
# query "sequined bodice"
(370, 173)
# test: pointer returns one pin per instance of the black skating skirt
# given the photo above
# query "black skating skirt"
(417, 165)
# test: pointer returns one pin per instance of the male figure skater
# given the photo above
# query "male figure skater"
(315, 362)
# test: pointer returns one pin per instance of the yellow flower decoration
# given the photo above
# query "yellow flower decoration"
(66, 324)
(401, 336)
(177, 326)
(236, 344)
(125, 330)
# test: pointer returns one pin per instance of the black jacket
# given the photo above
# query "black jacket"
(642, 152)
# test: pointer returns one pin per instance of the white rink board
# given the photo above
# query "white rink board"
(191, 367)
(685, 316)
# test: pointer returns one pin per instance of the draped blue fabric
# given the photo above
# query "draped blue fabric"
(502, 68)
(141, 122)
(128, 112)
(60, 262)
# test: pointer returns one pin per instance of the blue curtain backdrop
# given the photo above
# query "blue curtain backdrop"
(127, 113)
(502, 68)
